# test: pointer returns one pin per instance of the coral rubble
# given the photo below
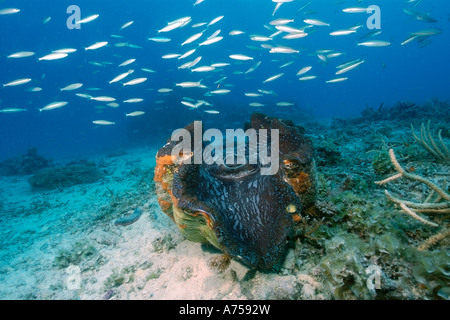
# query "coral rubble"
(28, 163)
(65, 176)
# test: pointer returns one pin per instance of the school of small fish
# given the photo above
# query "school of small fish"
(276, 45)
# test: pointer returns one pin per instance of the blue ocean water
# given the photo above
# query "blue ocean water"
(415, 71)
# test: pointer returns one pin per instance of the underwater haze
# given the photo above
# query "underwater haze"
(415, 71)
(97, 202)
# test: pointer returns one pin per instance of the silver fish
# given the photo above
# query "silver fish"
(186, 54)
(96, 45)
(53, 56)
(374, 43)
(283, 50)
(278, 22)
(201, 24)
(192, 38)
(127, 62)
(220, 91)
(253, 68)
(427, 32)
(260, 38)
(121, 76)
(287, 64)
(203, 69)
(284, 104)
(198, 2)
(171, 56)
(350, 67)
(176, 24)
(236, 32)
(288, 29)
(88, 19)
(103, 99)
(336, 80)
(12, 110)
(253, 95)
(272, 78)
(9, 11)
(240, 57)
(133, 100)
(315, 22)
(83, 95)
(103, 122)
(306, 78)
(21, 54)
(342, 32)
(126, 25)
(188, 84)
(34, 89)
(215, 34)
(17, 82)
(188, 104)
(135, 114)
(296, 35)
(215, 20)
(65, 50)
(220, 64)
(160, 39)
(134, 81)
(72, 86)
(304, 70)
(211, 41)
(54, 105)
(354, 10)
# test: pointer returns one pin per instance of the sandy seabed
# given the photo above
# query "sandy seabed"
(62, 244)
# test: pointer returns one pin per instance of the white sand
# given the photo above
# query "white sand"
(146, 260)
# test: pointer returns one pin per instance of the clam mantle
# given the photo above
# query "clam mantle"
(248, 216)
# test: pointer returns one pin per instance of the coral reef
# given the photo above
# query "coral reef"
(328, 153)
(426, 140)
(361, 234)
(28, 163)
(404, 110)
(65, 176)
(350, 244)
(381, 163)
(439, 205)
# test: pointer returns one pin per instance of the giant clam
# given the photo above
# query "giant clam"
(247, 215)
